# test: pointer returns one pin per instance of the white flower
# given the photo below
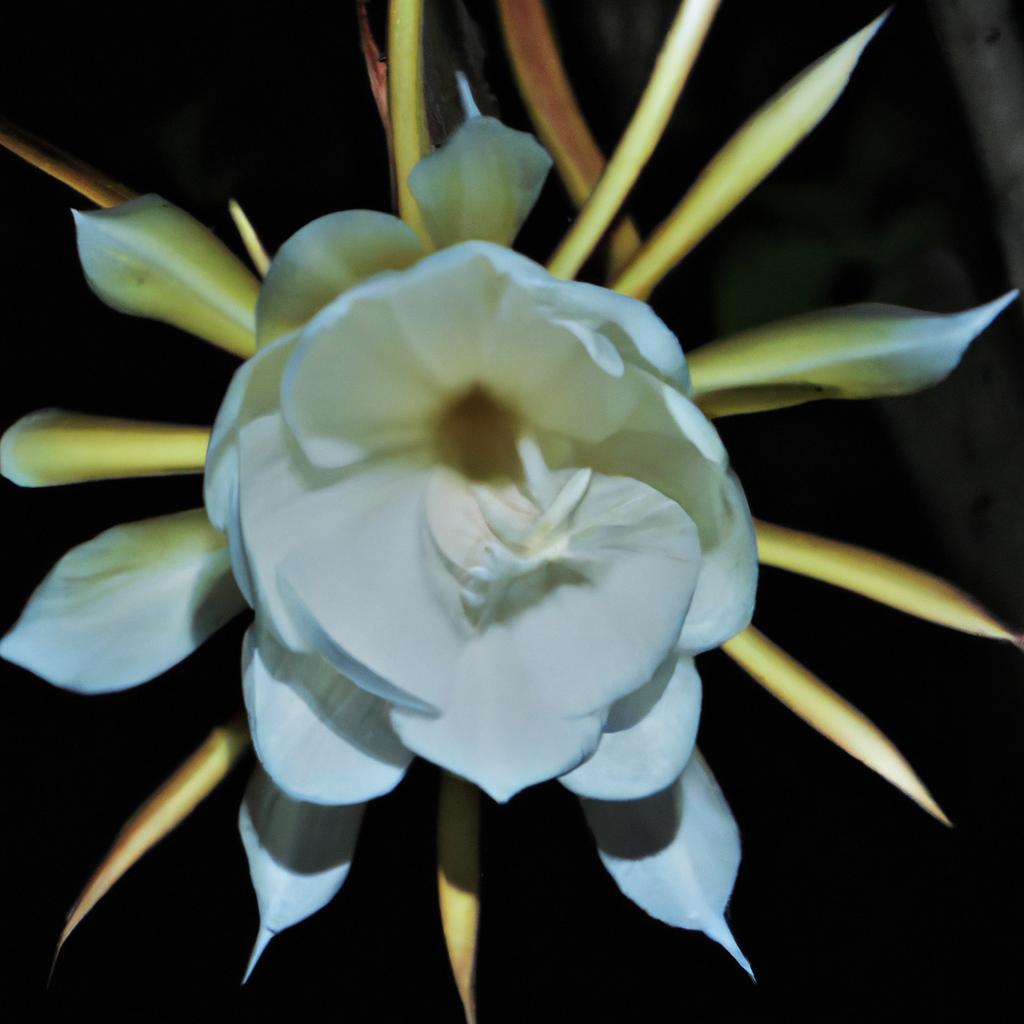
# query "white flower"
(482, 497)
(475, 510)
(473, 507)
(478, 518)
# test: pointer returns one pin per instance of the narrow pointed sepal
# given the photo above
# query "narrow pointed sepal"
(151, 259)
(163, 812)
(250, 239)
(824, 710)
(96, 186)
(675, 854)
(865, 351)
(878, 577)
(481, 184)
(458, 881)
(556, 115)
(671, 71)
(120, 609)
(745, 161)
(259, 947)
(299, 855)
(54, 446)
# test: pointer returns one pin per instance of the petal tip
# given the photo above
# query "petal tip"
(722, 934)
(259, 947)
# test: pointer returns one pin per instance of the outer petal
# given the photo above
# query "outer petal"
(54, 446)
(323, 259)
(299, 855)
(481, 184)
(636, 331)
(148, 258)
(319, 736)
(723, 602)
(255, 390)
(497, 738)
(675, 854)
(862, 351)
(670, 446)
(125, 606)
(648, 739)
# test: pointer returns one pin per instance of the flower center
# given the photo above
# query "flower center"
(476, 436)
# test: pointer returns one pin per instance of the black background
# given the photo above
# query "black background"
(850, 903)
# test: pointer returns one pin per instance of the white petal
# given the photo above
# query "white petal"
(648, 739)
(560, 642)
(481, 184)
(633, 327)
(127, 605)
(675, 450)
(501, 739)
(352, 554)
(862, 351)
(375, 370)
(149, 258)
(299, 854)
(325, 258)
(318, 735)
(348, 554)
(675, 854)
(255, 390)
(723, 602)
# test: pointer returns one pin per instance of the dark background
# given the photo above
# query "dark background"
(850, 903)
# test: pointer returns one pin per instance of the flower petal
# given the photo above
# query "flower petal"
(561, 642)
(635, 330)
(255, 390)
(53, 446)
(675, 854)
(670, 446)
(149, 258)
(326, 257)
(864, 351)
(299, 855)
(127, 605)
(334, 555)
(342, 550)
(648, 739)
(375, 370)
(481, 184)
(502, 739)
(723, 602)
(319, 736)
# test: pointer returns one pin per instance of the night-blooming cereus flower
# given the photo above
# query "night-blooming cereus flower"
(476, 514)
(475, 507)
